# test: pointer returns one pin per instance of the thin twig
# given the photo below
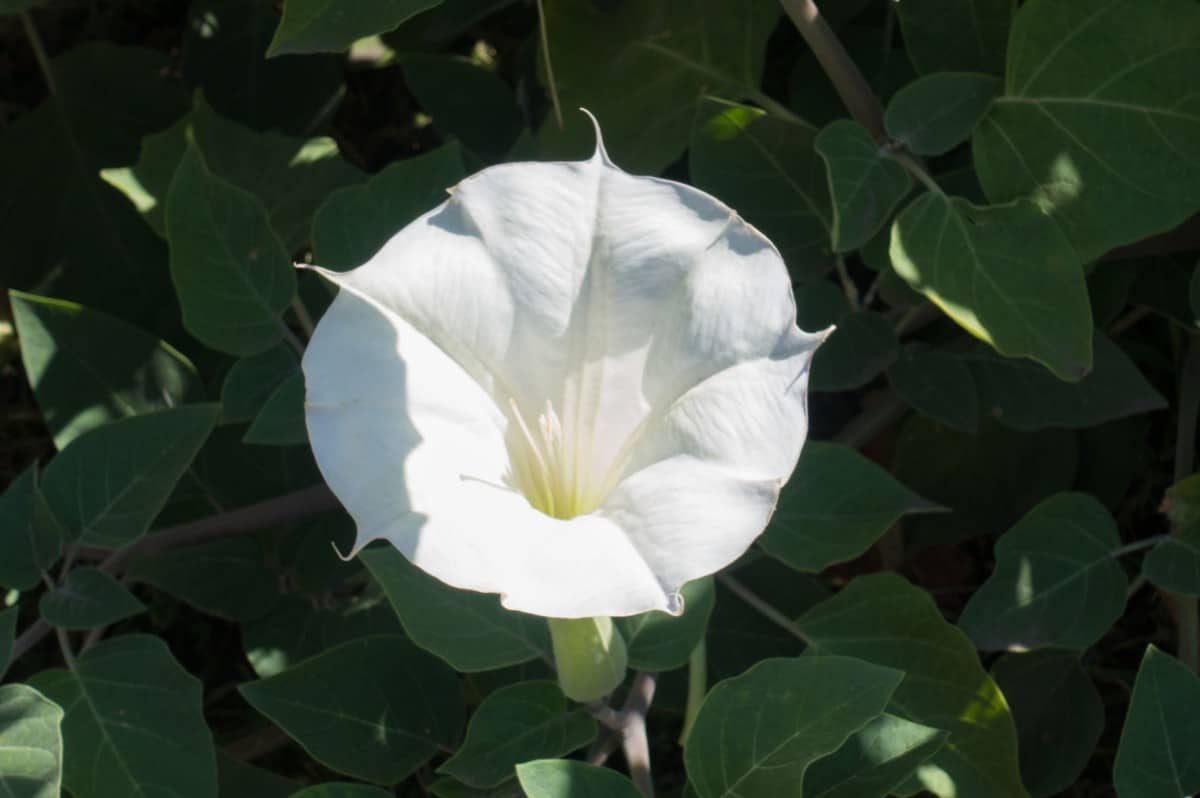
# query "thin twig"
(281, 509)
(848, 286)
(634, 743)
(551, 85)
(763, 608)
(1138, 545)
(857, 95)
(303, 317)
(64, 645)
(39, 51)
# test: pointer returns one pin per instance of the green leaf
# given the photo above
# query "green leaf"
(469, 630)
(565, 778)
(956, 35)
(1006, 274)
(449, 788)
(1159, 752)
(989, 479)
(341, 790)
(629, 63)
(351, 707)
(936, 113)
(466, 101)
(865, 183)
(355, 222)
(835, 506)
(656, 641)
(884, 620)
(295, 630)
(1052, 698)
(236, 779)
(14, 6)
(89, 598)
(766, 168)
(110, 483)
(252, 380)
(1056, 582)
(756, 734)
(280, 422)
(60, 221)
(862, 346)
(1162, 283)
(88, 368)
(30, 536)
(225, 578)
(134, 718)
(1098, 119)
(314, 26)
(31, 743)
(875, 760)
(937, 384)
(1174, 564)
(8, 631)
(524, 721)
(223, 48)
(1025, 396)
(233, 277)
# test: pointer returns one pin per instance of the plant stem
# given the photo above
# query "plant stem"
(64, 645)
(302, 316)
(848, 286)
(1138, 545)
(697, 688)
(874, 419)
(915, 168)
(766, 610)
(551, 85)
(39, 51)
(634, 743)
(1185, 459)
(851, 86)
(282, 509)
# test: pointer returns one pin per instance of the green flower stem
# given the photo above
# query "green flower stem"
(697, 688)
(589, 654)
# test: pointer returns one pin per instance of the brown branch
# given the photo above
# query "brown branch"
(628, 728)
(281, 509)
(857, 95)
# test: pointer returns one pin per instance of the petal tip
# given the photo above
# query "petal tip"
(601, 154)
(675, 604)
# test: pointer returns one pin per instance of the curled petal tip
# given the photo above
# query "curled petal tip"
(824, 334)
(675, 604)
(601, 154)
(340, 556)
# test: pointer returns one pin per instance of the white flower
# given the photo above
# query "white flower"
(571, 386)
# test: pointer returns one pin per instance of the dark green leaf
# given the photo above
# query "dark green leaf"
(1159, 752)
(469, 630)
(956, 35)
(60, 221)
(865, 184)
(8, 631)
(656, 641)
(767, 170)
(989, 479)
(110, 483)
(134, 718)
(341, 790)
(89, 598)
(449, 788)
(820, 304)
(756, 734)
(629, 63)
(834, 507)
(1162, 284)
(862, 346)
(467, 102)
(517, 723)
(1024, 396)
(13, 6)
(352, 707)
(30, 536)
(310, 553)
(876, 759)
(1098, 119)
(937, 384)
(226, 578)
(1174, 564)
(565, 778)
(280, 422)
(233, 277)
(223, 53)
(30, 743)
(355, 222)
(313, 26)
(253, 379)
(1056, 582)
(1006, 274)
(884, 620)
(88, 368)
(236, 779)
(1112, 457)
(936, 113)
(1052, 699)
(295, 630)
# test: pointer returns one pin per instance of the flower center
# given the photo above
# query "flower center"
(542, 467)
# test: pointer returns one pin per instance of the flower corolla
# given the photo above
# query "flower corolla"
(570, 386)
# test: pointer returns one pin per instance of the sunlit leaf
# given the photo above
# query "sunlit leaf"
(31, 743)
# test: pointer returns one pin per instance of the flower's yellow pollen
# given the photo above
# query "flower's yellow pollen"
(539, 465)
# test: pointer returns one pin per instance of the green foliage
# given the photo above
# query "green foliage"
(1013, 379)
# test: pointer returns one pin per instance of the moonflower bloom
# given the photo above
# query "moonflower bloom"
(570, 386)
